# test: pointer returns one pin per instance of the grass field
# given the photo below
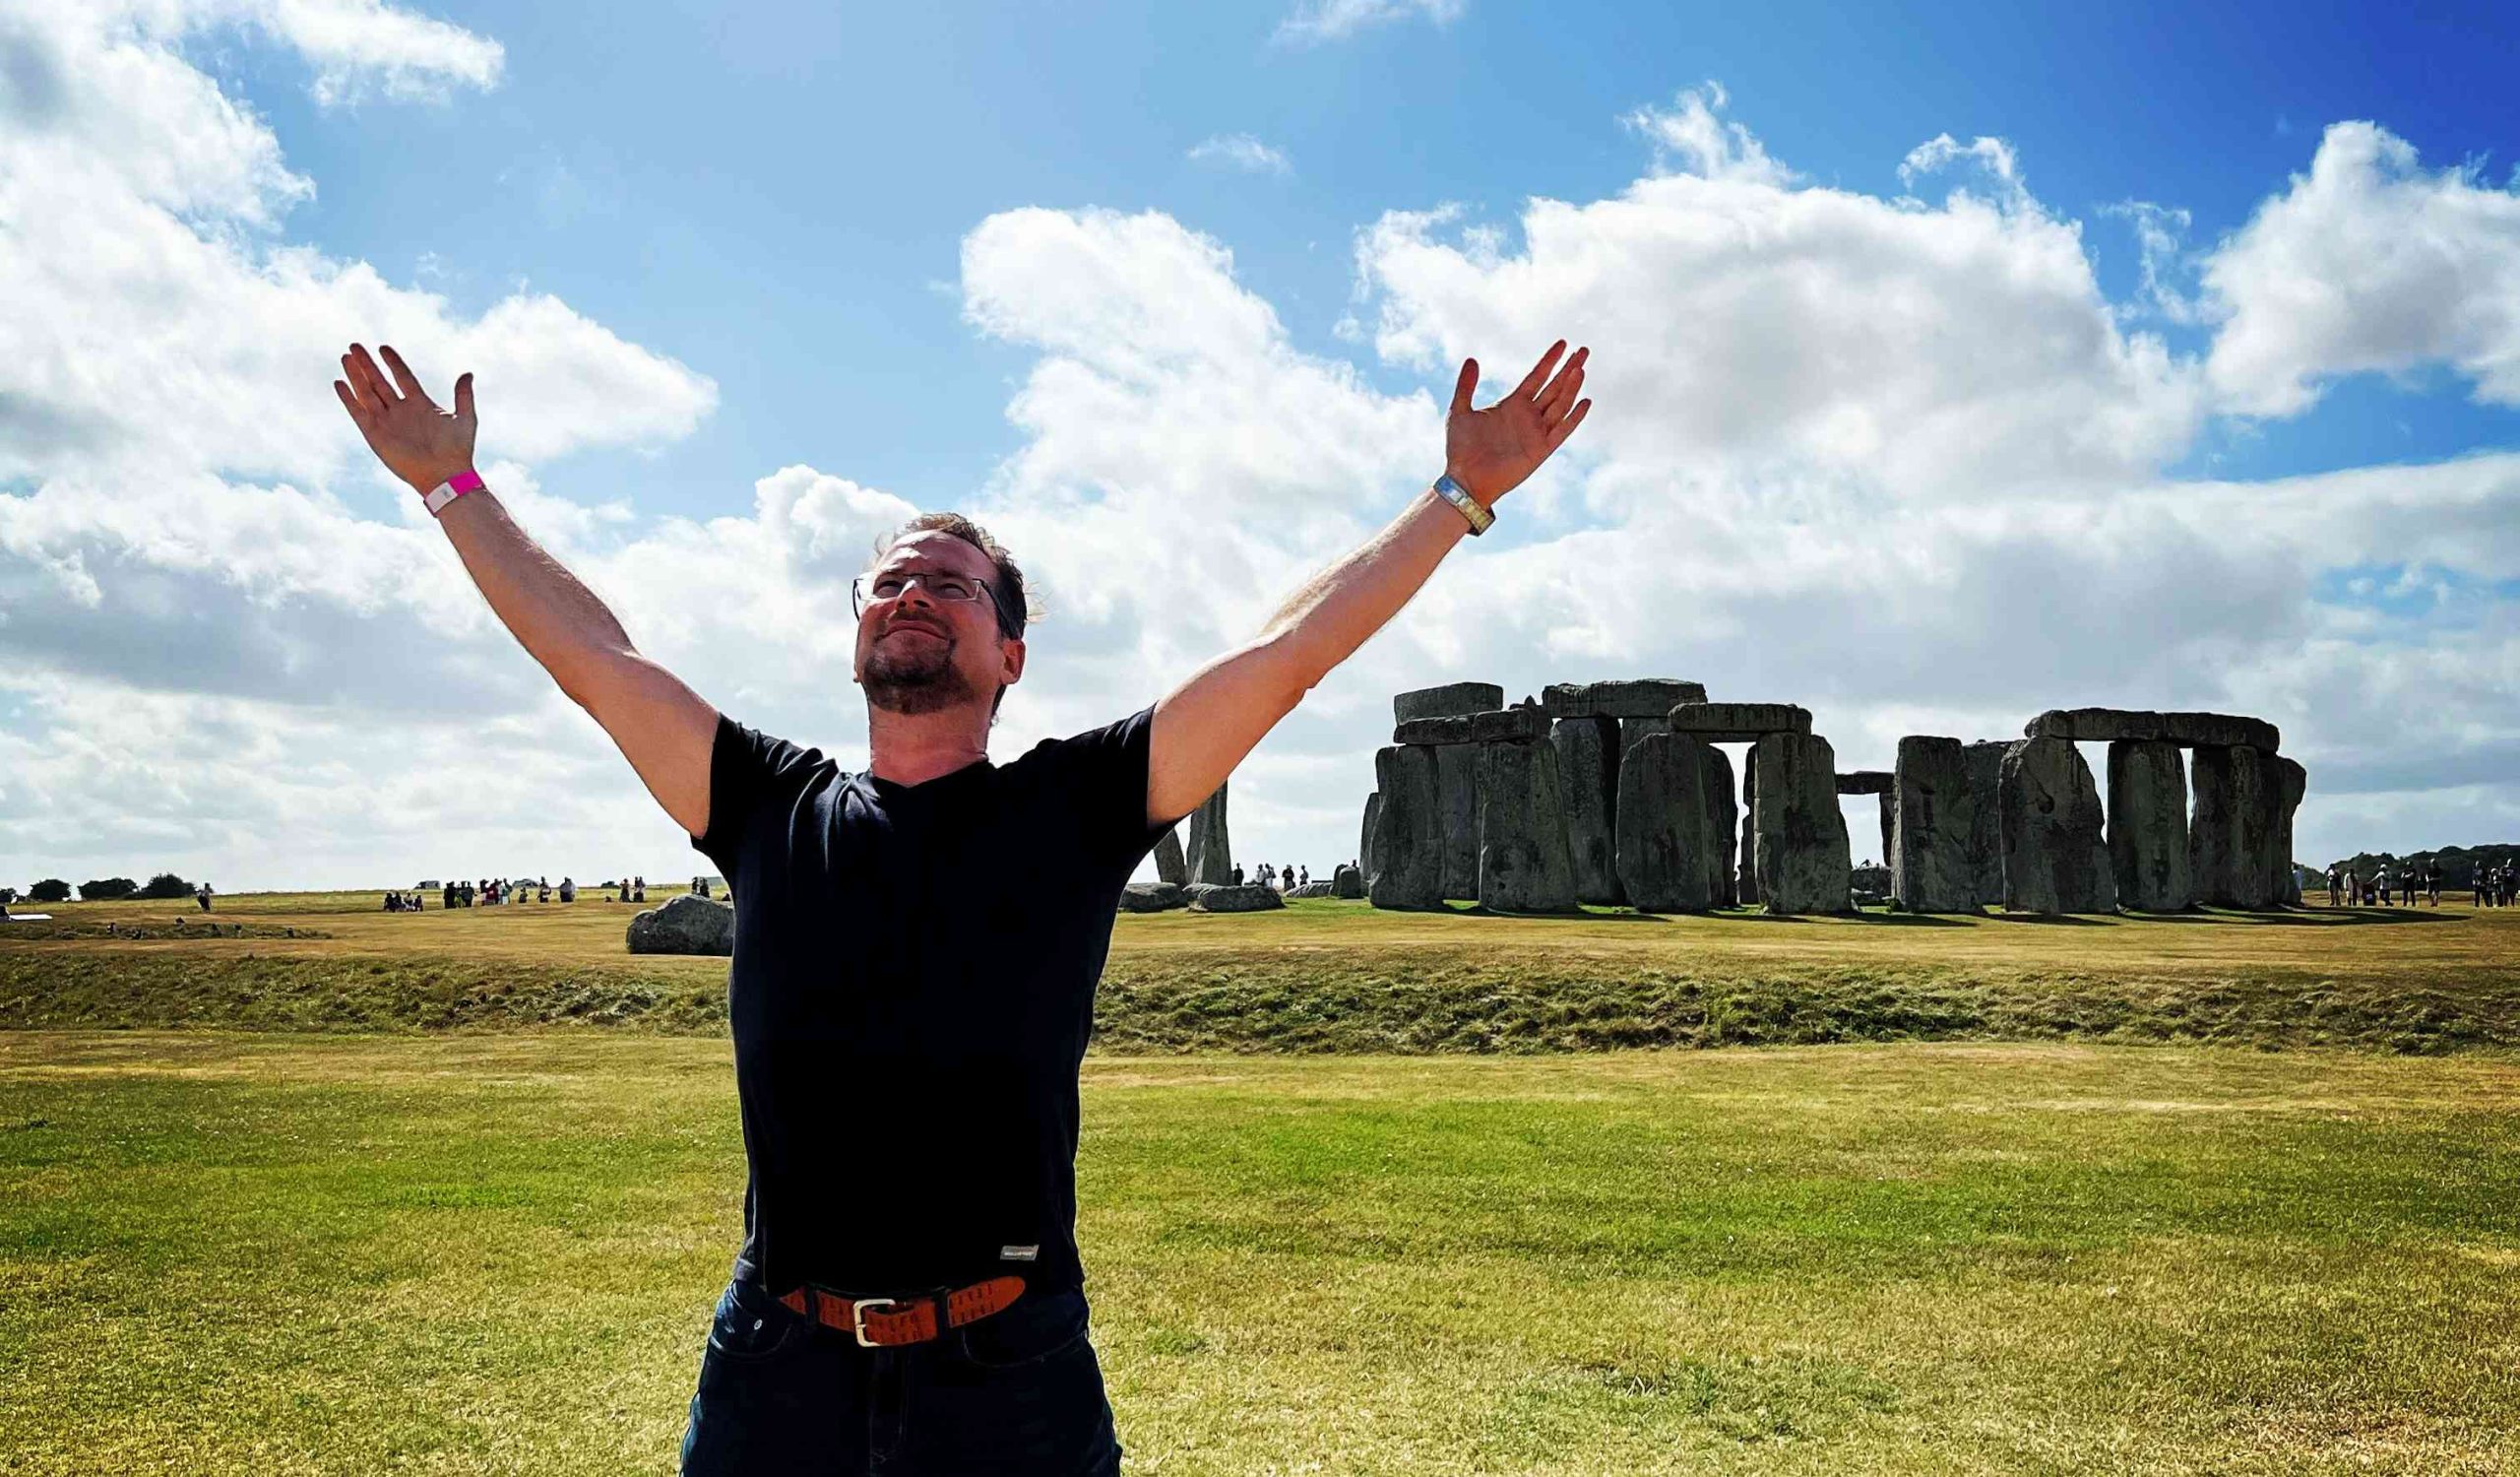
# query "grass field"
(484, 1253)
(1325, 975)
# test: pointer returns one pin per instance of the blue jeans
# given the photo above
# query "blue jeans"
(1019, 1390)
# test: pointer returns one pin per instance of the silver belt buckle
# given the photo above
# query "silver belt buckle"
(857, 1318)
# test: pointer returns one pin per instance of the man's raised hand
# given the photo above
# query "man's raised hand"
(1490, 452)
(416, 441)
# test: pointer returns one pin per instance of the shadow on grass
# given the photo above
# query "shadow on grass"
(2299, 917)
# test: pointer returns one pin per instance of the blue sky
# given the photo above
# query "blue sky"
(2183, 370)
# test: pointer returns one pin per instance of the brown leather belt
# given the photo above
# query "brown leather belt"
(915, 1319)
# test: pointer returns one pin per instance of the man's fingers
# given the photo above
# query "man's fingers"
(1463, 386)
(1566, 427)
(464, 394)
(349, 403)
(1552, 402)
(370, 381)
(1540, 372)
(404, 377)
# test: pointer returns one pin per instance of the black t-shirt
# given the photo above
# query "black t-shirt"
(910, 994)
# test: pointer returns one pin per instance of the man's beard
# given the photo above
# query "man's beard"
(925, 681)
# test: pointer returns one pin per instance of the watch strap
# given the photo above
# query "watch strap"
(1458, 497)
(437, 497)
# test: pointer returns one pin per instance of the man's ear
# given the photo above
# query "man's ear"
(1011, 660)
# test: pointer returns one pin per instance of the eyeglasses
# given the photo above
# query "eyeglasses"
(941, 584)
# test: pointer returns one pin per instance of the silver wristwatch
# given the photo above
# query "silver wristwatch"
(1458, 497)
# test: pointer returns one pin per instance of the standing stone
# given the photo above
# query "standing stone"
(1169, 865)
(2148, 825)
(1588, 765)
(1635, 730)
(1409, 838)
(1667, 854)
(1986, 822)
(1722, 817)
(1457, 804)
(1804, 863)
(1365, 843)
(1347, 881)
(1889, 806)
(1523, 860)
(2056, 851)
(2238, 795)
(2291, 783)
(1934, 815)
(1211, 850)
(1745, 892)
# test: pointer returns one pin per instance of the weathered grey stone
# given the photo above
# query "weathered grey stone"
(1667, 857)
(1934, 812)
(1986, 822)
(2230, 833)
(1633, 730)
(1523, 864)
(1432, 731)
(1516, 725)
(1866, 781)
(686, 925)
(2187, 729)
(1347, 881)
(1211, 857)
(1588, 764)
(1449, 700)
(1170, 864)
(1250, 897)
(1739, 723)
(1409, 831)
(1457, 809)
(1308, 889)
(1805, 864)
(1745, 890)
(2284, 878)
(1722, 817)
(2055, 854)
(1154, 897)
(1640, 697)
(2148, 825)
(1365, 842)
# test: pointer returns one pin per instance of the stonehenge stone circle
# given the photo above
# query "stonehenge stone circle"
(2148, 825)
(1170, 865)
(2187, 729)
(1739, 723)
(1409, 838)
(2055, 856)
(1447, 701)
(1210, 856)
(686, 925)
(1667, 850)
(1931, 868)
(1804, 861)
(1523, 860)
(1589, 761)
(1645, 697)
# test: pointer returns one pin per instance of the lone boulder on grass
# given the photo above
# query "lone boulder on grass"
(686, 925)
(1248, 897)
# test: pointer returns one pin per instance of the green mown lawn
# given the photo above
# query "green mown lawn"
(278, 1253)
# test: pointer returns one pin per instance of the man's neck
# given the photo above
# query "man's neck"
(912, 748)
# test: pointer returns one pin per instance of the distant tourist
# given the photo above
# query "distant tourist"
(201, 895)
(638, 889)
(543, 894)
(1238, 875)
(1304, 877)
(2335, 883)
(568, 890)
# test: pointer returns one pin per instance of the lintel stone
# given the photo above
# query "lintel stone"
(1739, 723)
(2187, 729)
(1452, 700)
(1639, 697)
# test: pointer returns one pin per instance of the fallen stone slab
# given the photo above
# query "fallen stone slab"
(1450, 700)
(2187, 729)
(1308, 889)
(1248, 897)
(1588, 768)
(1523, 860)
(2056, 853)
(1154, 897)
(1934, 815)
(1804, 864)
(1738, 723)
(1637, 697)
(2148, 825)
(1409, 838)
(685, 925)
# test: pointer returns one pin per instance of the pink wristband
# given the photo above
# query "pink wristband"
(467, 481)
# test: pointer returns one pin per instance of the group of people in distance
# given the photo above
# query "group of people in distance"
(490, 892)
(1285, 878)
(2407, 883)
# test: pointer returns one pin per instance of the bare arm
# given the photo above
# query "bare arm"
(661, 727)
(1204, 727)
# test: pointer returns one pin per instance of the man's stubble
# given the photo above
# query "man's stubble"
(921, 680)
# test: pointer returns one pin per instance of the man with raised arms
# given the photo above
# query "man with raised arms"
(909, 1031)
